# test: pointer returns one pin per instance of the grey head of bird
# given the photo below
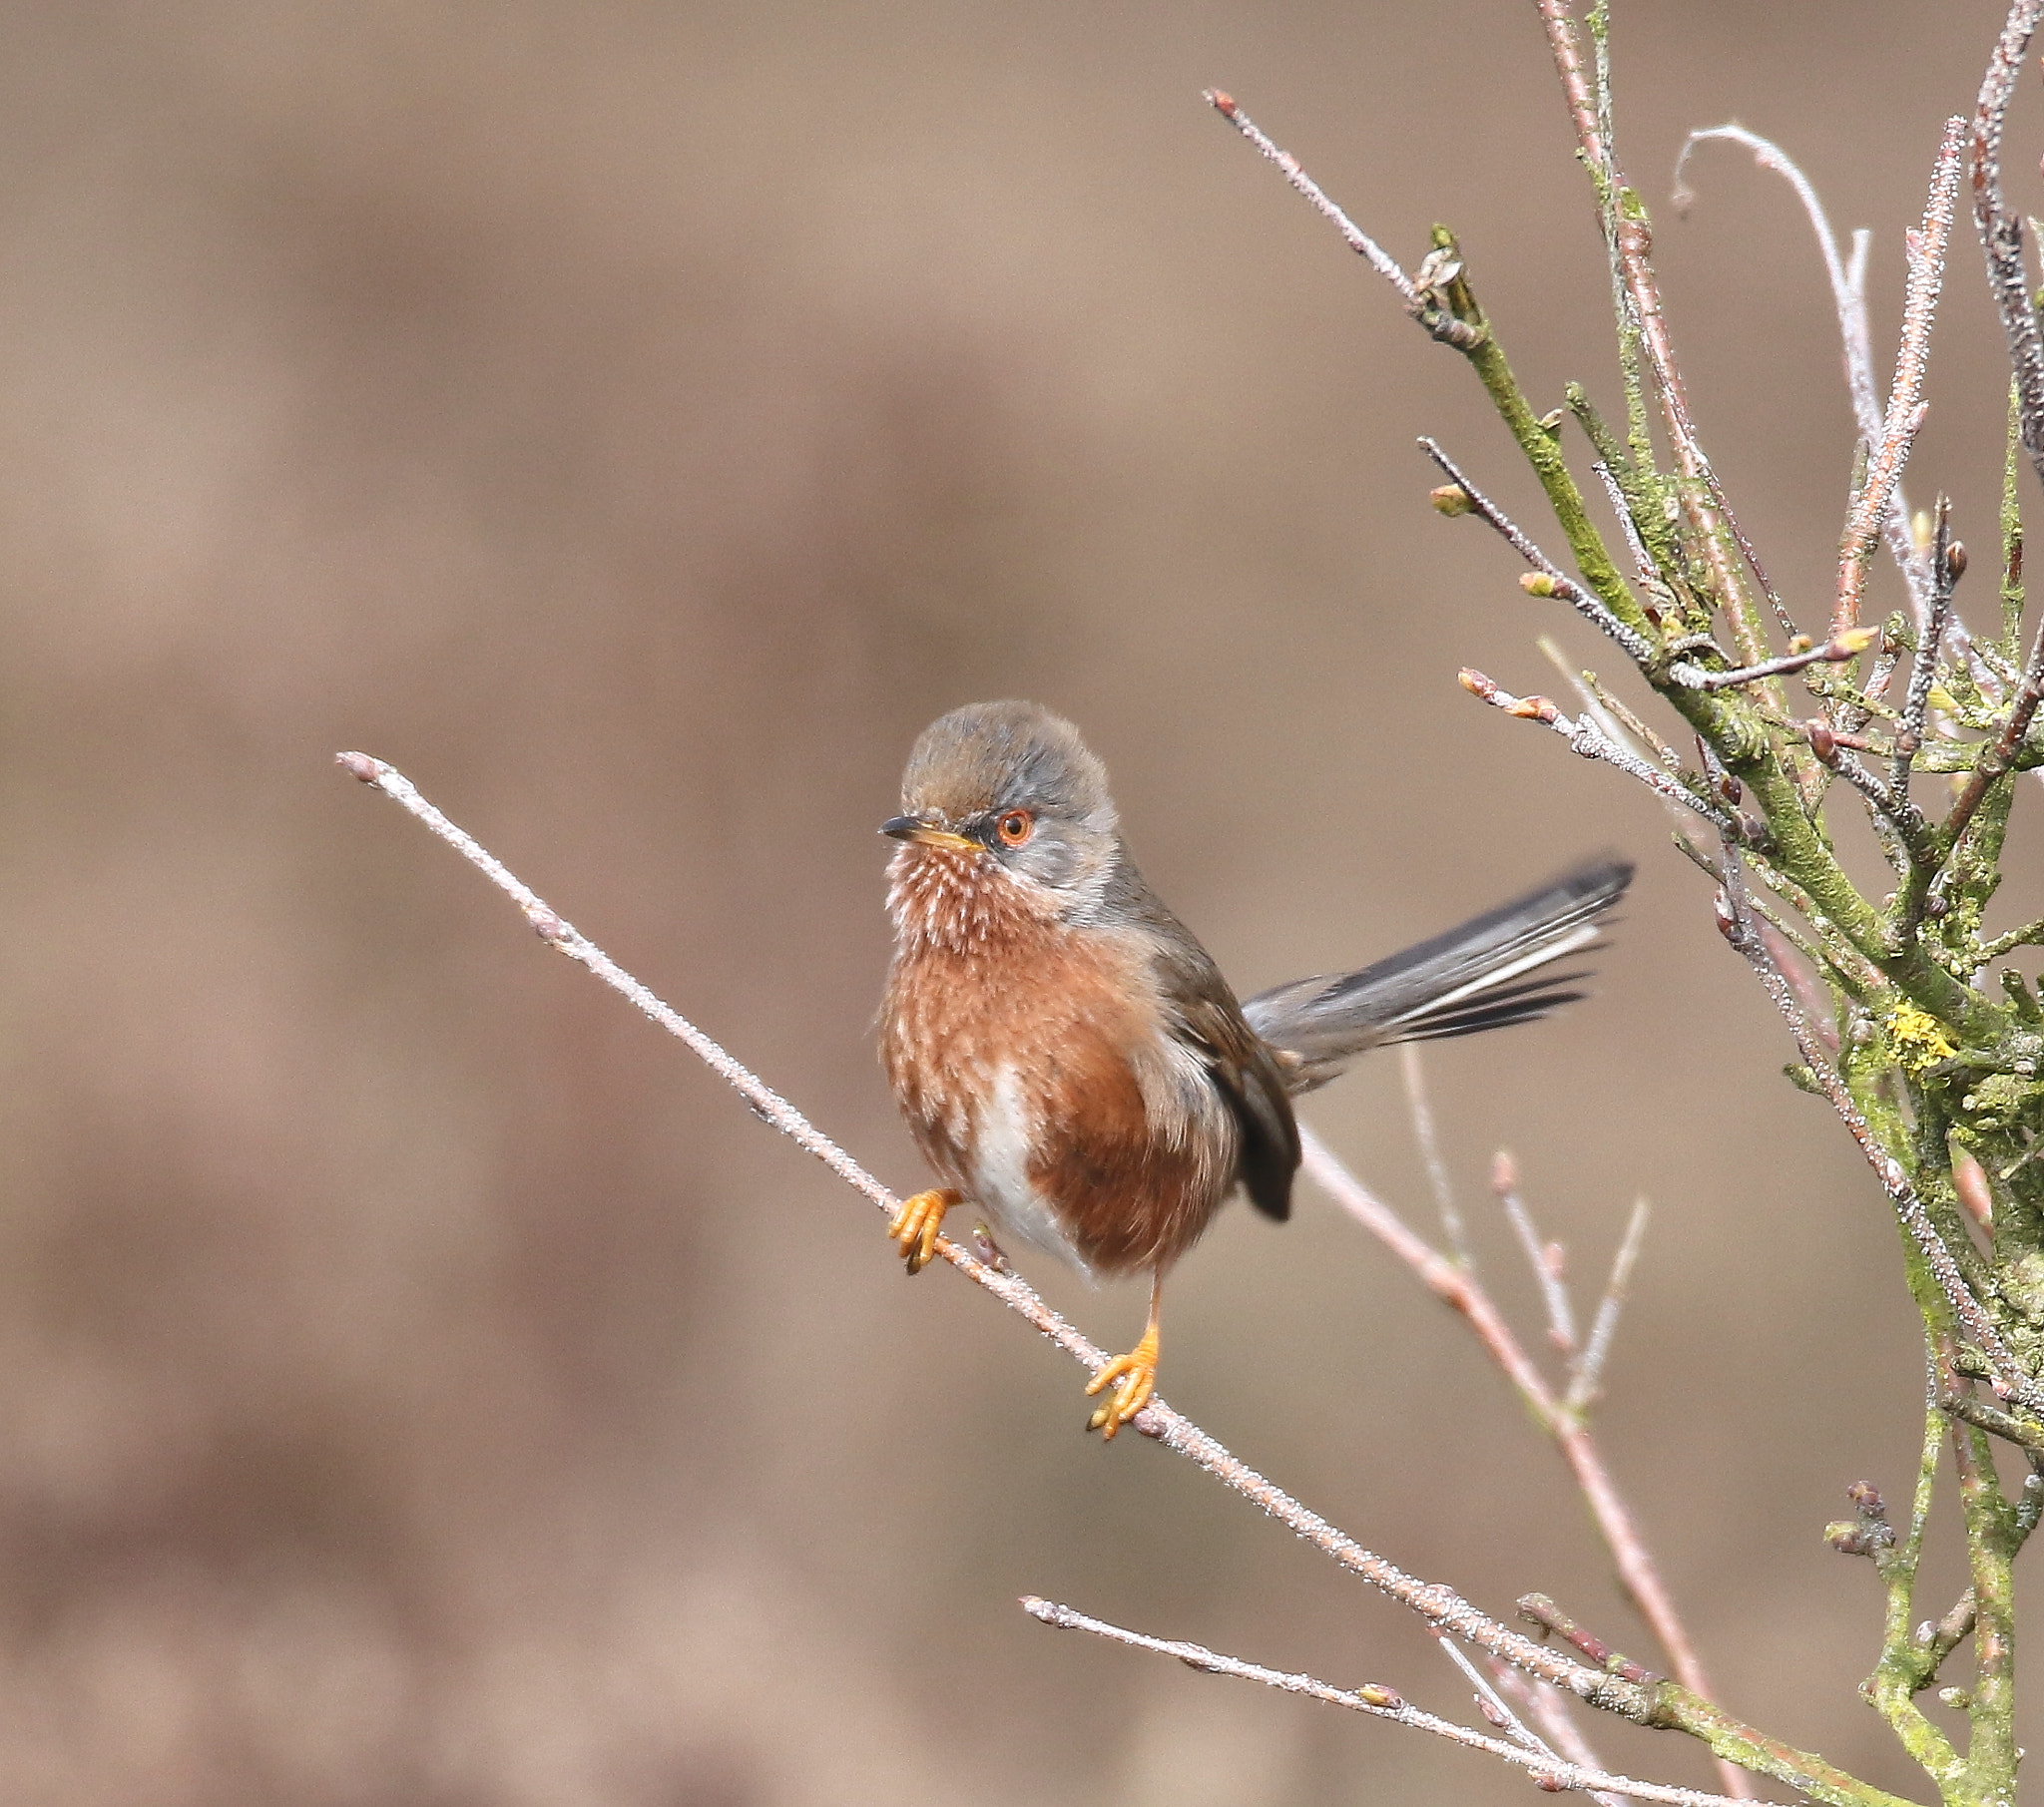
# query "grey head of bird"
(1009, 788)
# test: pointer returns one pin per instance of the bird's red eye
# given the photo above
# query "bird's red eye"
(1015, 827)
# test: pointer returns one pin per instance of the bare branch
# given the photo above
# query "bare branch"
(1490, 1703)
(1897, 821)
(1620, 724)
(1835, 650)
(1549, 1715)
(1422, 1110)
(1380, 1702)
(1848, 278)
(1589, 1376)
(2001, 232)
(1621, 506)
(1358, 241)
(1542, 1258)
(1929, 647)
(1587, 738)
(1925, 247)
(1848, 295)
(1559, 582)
(2025, 1435)
(2029, 934)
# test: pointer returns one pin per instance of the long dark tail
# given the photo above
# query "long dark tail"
(1496, 969)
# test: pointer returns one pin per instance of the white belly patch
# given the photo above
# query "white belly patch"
(1000, 1174)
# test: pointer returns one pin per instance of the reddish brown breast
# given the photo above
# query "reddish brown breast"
(1031, 1060)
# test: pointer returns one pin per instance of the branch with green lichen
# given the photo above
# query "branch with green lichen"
(1928, 1062)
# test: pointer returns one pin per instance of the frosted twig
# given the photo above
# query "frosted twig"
(1358, 240)
(1548, 1713)
(1542, 1258)
(1929, 647)
(1381, 1702)
(1490, 1703)
(1435, 1603)
(1559, 582)
(1848, 276)
(1926, 248)
(1619, 724)
(1897, 822)
(1835, 650)
(1621, 506)
(1587, 1381)
(1849, 293)
(1422, 1109)
(2001, 232)
(1586, 738)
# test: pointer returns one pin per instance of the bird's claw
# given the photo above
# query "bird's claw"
(916, 1223)
(1134, 1379)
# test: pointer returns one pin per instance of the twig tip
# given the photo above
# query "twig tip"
(361, 766)
(1221, 102)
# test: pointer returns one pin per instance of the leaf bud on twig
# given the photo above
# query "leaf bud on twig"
(1451, 499)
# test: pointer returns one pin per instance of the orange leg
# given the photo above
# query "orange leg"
(916, 1223)
(1133, 1376)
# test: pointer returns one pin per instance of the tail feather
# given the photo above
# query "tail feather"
(1494, 970)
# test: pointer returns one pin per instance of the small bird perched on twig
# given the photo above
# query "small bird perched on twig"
(1071, 1060)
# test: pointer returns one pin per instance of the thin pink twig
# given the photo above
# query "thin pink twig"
(1466, 1294)
(1548, 1769)
(1704, 499)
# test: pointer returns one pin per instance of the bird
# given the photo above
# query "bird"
(1069, 1057)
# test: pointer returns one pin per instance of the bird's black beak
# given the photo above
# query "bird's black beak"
(927, 835)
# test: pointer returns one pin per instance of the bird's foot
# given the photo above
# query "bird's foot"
(1134, 1379)
(988, 1250)
(916, 1223)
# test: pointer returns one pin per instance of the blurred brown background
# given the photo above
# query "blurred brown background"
(419, 1381)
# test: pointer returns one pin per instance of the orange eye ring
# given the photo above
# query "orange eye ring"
(1015, 827)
